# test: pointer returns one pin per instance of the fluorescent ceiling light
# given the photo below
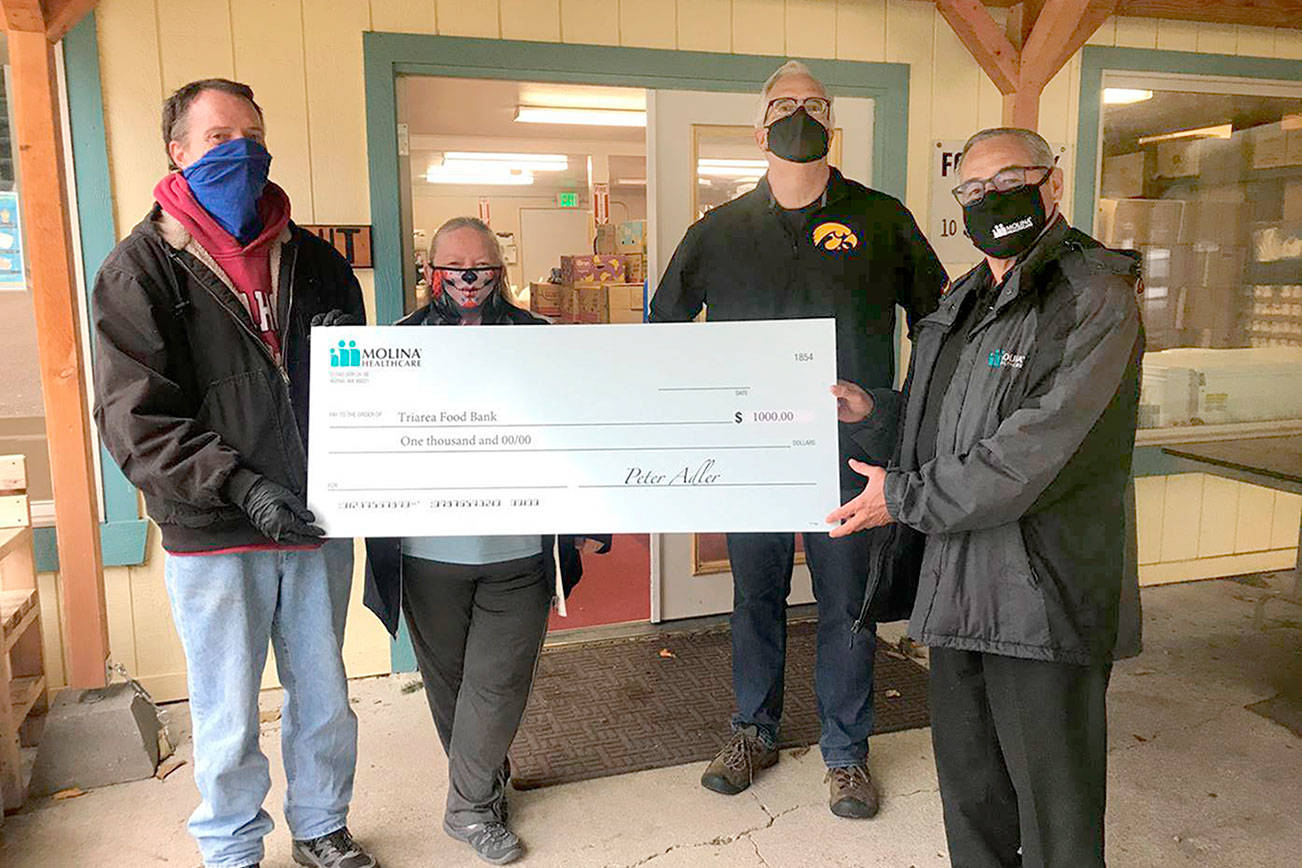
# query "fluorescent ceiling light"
(478, 175)
(631, 182)
(716, 168)
(595, 117)
(534, 162)
(1221, 131)
(1125, 95)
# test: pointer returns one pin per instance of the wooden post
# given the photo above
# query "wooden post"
(44, 203)
(1040, 37)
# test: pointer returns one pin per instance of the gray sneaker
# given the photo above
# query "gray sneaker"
(491, 841)
(336, 850)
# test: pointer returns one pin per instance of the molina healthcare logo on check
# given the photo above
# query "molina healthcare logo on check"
(348, 355)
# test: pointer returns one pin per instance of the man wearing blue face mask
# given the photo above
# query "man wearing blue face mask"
(806, 242)
(202, 318)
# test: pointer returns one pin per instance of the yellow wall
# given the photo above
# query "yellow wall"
(304, 60)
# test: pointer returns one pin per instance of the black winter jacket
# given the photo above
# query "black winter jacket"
(187, 394)
(1028, 507)
(383, 594)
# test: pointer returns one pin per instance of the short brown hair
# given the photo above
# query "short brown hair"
(177, 105)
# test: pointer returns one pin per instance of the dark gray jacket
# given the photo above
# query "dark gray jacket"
(1028, 507)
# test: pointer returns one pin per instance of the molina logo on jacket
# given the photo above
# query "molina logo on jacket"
(1005, 359)
(835, 237)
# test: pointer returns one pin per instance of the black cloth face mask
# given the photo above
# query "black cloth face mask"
(798, 138)
(1005, 225)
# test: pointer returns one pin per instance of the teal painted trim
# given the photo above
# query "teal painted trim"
(1095, 60)
(122, 543)
(1152, 461)
(98, 235)
(388, 55)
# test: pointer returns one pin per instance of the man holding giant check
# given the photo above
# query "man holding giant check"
(806, 243)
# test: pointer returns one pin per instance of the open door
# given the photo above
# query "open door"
(701, 153)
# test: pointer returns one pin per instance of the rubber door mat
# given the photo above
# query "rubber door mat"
(608, 708)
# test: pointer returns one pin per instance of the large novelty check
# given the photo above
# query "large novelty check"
(564, 429)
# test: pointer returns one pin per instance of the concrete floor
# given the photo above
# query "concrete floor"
(1196, 779)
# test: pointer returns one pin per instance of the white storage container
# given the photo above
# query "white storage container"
(1194, 386)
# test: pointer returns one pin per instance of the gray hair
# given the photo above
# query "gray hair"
(786, 70)
(1039, 150)
(494, 246)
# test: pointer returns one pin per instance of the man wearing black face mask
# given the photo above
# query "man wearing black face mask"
(202, 318)
(1013, 473)
(807, 242)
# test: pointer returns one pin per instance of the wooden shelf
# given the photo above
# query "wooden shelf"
(18, 611)
(13, 539)
(24, 694)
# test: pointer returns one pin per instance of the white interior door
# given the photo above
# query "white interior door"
(683, 585)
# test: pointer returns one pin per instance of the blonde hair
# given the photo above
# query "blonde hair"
(786, 70)
(494, 245)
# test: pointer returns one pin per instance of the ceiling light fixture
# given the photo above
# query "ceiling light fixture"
(532, 162)
(720, 168)
(478, 175)
(1221, 131)
(1125, 95)
(595, 117)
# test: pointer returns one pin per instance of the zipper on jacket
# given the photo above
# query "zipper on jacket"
(289, 314)
(266, 351)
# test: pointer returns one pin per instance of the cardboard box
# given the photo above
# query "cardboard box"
(1167, 266)
(606, 239)
(592, 268)
(634, 267)
(1292, 202)
(1293, 148)
(1178, 158)
(1137, 222)
(1213, 222)
(1269, 147)
(569, 305)
(1218, 266)
(1123, 176)
(630, 237)
(608, 303)
(545, 298)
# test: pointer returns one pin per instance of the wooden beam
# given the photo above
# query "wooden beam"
(63, 15)
(1061, 29)
(23, 16)
(44, 206)
(987, 43)
(1021, 18)
(1259, 13)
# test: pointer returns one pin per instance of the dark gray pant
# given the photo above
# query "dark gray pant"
(1021, 753)
(477, 631)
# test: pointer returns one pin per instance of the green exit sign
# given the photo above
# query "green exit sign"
(567, 200)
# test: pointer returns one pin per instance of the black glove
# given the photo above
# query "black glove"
(273, 509)
(336, 317)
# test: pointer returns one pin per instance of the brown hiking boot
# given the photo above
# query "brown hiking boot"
(852, 793)
(733, 769)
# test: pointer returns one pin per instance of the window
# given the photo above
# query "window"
(1204, 178)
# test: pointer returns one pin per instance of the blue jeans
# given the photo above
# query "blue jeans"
(226, 608)
(843, 669)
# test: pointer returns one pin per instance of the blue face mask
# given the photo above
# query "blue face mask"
(227, 181)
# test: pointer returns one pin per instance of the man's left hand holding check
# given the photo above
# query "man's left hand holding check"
(869, 508)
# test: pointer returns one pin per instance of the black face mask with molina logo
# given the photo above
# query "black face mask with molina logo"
(1005, 225)
(798, 138)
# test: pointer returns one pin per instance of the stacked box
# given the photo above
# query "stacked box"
(608, 303)
(545, 298)
(630, 237)
(606, 241)
(634, 267)
(1135, 222)
(1123, 176)
(592, 268)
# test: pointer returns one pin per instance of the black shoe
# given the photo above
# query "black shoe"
(336, 850)
(491, 841)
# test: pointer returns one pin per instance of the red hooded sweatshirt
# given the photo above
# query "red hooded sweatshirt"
(248, 266)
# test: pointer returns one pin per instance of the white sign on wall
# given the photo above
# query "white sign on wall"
(944, 227)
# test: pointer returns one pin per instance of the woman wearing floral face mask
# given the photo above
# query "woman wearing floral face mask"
(476, 607)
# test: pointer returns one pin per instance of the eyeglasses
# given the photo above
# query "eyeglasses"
(1004, 181)
(781, 107)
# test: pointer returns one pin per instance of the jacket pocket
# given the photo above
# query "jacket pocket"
(244, 411)
(989, 591)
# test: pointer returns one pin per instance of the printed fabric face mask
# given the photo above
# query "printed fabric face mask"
(798, 138)
(1005, 225)
(228, 181)
(470, 287)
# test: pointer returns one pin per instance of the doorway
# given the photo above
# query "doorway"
(698, 112)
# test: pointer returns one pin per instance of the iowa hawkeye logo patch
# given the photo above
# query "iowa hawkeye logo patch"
(835, 237)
